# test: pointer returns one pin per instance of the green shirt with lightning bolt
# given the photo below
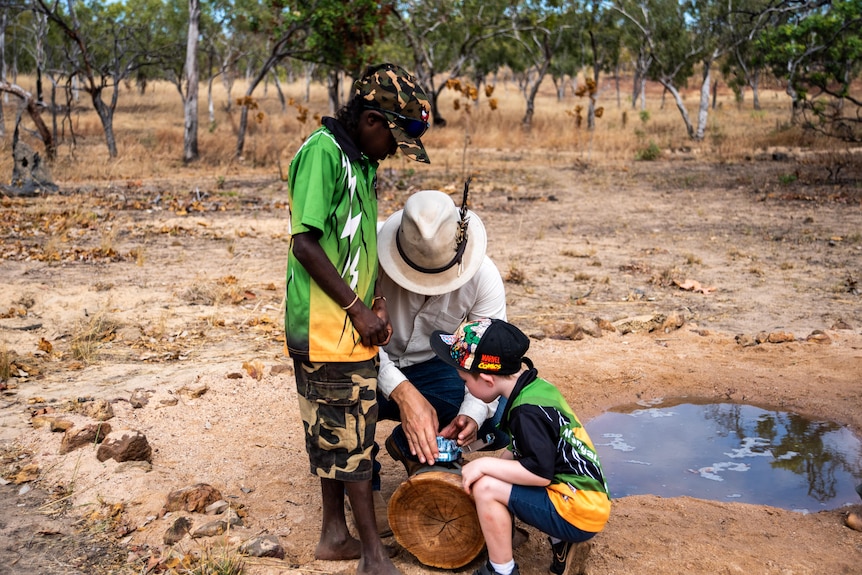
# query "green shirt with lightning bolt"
(332, 190)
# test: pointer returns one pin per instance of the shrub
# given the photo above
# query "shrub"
(648, 154)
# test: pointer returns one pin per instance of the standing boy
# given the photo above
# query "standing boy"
(335, 318)
(550, 477)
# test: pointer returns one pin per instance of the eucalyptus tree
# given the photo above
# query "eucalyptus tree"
(284, 33)
(190, 109)
(636, 47)
(818, 51)
(681, 35)
(668, 42)
(40, 32)
(104, 44)
(4, 19)
(744, 67)
(320, 31)
(17, 29)
(540, 31)
(573, 49)
(603, 31)
(492, 56)
(341, 37)
(228, 38)
(31, 105)
(444, 36)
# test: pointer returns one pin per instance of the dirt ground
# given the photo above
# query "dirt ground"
(173, 289)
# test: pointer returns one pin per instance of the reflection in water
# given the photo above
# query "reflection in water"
(728, 451)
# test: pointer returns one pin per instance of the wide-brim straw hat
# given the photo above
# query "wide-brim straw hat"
(427, 231)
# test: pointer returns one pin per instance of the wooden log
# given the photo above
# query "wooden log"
(435, 519)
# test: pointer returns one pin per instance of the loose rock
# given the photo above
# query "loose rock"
(780, 337)
(640, 323)
(139, 399)
(177, 530)
(820, 337)
(193, 391)
(195, 498)
(125, 445)
(89, 434)
(100, 410)
(263, 546)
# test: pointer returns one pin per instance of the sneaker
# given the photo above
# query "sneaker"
(486, 569)
(395, 453)
(560, 560)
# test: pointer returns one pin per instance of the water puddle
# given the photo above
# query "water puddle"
(728, 452)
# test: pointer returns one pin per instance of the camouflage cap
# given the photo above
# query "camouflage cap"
(395, 92)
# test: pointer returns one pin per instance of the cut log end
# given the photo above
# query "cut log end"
(435, 519)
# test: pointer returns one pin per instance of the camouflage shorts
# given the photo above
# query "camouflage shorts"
(338, 405)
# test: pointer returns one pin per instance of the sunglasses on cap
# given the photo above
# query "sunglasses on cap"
(412, 127)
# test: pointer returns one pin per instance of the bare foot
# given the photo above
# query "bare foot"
(342, 550)
(376, 566)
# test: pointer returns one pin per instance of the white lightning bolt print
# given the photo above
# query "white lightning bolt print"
(352, 223)
(351, 226)
(351, 271)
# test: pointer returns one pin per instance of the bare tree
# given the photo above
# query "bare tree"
(102, 55)
(31, 105)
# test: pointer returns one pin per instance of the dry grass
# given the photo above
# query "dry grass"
(90, 334)
(149, 132)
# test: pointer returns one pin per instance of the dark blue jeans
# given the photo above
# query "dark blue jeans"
(444, 389)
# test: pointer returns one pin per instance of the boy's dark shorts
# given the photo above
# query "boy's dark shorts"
(338, 406)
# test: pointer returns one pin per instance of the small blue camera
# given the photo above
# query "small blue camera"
(448, 450)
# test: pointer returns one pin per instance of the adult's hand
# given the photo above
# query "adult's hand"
(463, 429)
(418, 420)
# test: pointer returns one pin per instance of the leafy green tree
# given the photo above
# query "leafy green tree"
(341, 38)
(329, 32)
(743, 68)
(819, 53)
(678, 36)
(443, 38)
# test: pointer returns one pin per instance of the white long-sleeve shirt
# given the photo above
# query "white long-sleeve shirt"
(415, 317)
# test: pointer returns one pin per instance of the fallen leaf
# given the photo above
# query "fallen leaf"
(254, 368)
(28, 473)
(694, 285)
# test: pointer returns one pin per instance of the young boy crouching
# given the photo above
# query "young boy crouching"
(550, 476)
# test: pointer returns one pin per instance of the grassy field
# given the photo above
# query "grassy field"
(149, 130)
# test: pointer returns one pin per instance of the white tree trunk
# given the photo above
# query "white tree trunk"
(703, 108)
(210, 103)
(3, 69)
(190, 135)
(668, 86)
